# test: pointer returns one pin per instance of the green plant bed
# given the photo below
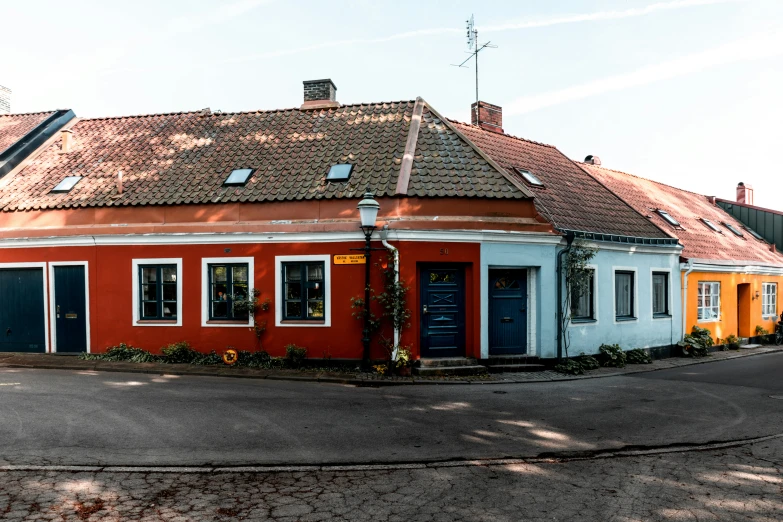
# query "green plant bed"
(612, 355)
(697, 343)
(577, 365)
(638, 356)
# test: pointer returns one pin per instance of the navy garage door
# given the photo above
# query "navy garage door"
(22, 310)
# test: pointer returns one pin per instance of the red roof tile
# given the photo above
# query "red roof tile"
(186, 157)
(570, 198)
(688, 208)
(14, 127)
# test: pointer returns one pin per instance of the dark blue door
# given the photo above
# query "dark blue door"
(69, 309)
(22, 310)
(507, 311)
(443, 311)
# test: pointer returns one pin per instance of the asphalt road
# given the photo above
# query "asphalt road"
(52, 417)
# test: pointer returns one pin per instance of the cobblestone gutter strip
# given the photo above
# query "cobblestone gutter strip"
(58, 362)
(390, 466)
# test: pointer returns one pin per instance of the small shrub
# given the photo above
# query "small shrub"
(121, 352)
(259, 359)
(570, 367)
(611, 355)
(732, 341)
(211, 358)
(696, 343)
(295, 355)
(638, 356)
(381, 369)
(180, 352)
(588, 362)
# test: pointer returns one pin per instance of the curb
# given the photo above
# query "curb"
(375, 383)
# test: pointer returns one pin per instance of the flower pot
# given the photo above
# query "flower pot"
(404, 371)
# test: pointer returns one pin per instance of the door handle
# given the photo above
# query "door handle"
(58, 309)
(425, 311)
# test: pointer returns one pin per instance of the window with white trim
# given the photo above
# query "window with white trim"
(709, 301)
(624, 295)
(769, 300)
(582, 304)
(227, 283)
(303, 291)
(158, 292)
(660, 294)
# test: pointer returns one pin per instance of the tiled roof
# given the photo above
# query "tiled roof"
(698, 240)
(570, 198)
(182, 158)
(13, 127)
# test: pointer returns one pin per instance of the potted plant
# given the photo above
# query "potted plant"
(733, 341)
(403, 362)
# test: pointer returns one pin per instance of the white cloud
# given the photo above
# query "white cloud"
(755, 48)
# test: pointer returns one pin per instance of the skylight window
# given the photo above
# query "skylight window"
(753, 233)
(712, 225)
(733, 229)
(668, 218)
(340, 172)
(530, 177)
(66, 184)
(238, 177)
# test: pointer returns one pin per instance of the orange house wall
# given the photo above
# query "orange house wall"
(111, 295)
(728, 323)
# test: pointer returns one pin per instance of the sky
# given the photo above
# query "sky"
(685, 92)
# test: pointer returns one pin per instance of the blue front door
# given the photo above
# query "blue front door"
(507, 311)
(22, 310)
(442, 311)
(69, 309)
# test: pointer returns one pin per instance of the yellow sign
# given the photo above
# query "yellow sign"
(358, 259)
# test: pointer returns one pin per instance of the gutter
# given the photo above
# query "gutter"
(690, 268)
(396, 255)
(30, 142)
(560, 330)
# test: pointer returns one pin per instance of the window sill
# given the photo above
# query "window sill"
(302, 322)
(156, 321)
(583, 321)
(625, 319)
(230, 322)
(716, 320)
(662, 316)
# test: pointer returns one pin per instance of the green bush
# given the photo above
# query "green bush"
(637, 356)
(696, 343)
(259, 359)
(121, 352)
(295, 355)
(611, 355)
(205, 359)
(181, 353)
(588, 362)
(570, 366)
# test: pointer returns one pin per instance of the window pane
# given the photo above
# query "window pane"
(149, 275)
(659, 294)
(293, 291)
(293, 309)
(293, 273)
(219, 309)
(240, 291)
(316, 292)
(218, 274)
(149, 292)
(169, 274)
(315, 309)
(240, 274)
(150, 309)
(218, 292)
(169, 309)
(315, 272)
(623, 291)
(581, 303)
(169, 292)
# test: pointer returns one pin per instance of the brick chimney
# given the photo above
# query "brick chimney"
(744, 193)
(488, 117)
(5, 100)
(319, 94)
(593, 160)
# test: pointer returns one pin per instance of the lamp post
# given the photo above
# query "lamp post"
(368, 212)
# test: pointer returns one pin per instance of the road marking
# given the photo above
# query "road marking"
(10, 383)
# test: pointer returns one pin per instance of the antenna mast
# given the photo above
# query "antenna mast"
(474, 48)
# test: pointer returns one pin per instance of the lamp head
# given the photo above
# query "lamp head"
(368, 210)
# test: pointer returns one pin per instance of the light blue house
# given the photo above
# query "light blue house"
(633, 297)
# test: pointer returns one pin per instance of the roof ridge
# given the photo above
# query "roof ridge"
(643, 178)
(503, 134)
(257, 111)
(11, 115)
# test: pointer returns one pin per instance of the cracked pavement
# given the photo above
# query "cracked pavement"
(743, 483)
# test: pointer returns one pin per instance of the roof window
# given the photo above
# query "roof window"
(733, 229)
(66, 184)
(529, 177)
(712, 225)
(668, 218)
(753, 233)
(238, 177)
(340, 172)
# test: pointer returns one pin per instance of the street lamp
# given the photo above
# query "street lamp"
(368, 212)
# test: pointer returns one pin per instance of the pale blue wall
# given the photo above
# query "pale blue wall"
(644, 332)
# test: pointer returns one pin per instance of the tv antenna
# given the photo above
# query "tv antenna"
(474, 48)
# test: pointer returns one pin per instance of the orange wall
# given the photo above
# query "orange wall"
(730, 294)
(111, 306)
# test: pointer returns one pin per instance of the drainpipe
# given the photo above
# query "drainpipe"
(396, 255)
(560, 331)
(689, 266)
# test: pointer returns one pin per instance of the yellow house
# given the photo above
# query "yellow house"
(731, 278)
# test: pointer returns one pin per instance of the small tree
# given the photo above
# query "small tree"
(577, 284)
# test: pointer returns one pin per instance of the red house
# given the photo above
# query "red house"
(143, 229)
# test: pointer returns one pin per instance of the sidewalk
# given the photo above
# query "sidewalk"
(60, 362)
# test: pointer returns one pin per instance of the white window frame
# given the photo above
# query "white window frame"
(53, 298)
(594, 321)
(205, 262)
(698, 287)
(327, 261)
(44, 274)
(669, 314)
(774, 294)
(635, 317)
(135, 290)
